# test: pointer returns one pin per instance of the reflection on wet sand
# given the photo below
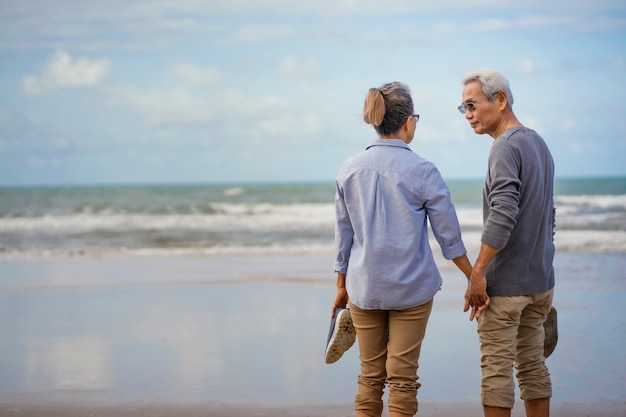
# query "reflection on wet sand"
(247, 331)
(75, 363)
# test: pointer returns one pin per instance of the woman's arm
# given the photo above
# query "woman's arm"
(341, 299)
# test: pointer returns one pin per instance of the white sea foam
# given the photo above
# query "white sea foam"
(235, 191)
(597, 201)
(584, 223)
(246, 216)
(470, 217)
(144, 252)
(265, 216)
(567, 241)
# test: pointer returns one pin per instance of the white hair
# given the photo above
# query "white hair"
(492, 82)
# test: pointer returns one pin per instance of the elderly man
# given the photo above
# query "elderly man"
(514, 265)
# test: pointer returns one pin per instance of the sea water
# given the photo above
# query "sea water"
(214, 219)
(249, 328)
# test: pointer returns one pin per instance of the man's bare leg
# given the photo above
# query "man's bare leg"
(391, 414)
(496, 411)
(537, 408)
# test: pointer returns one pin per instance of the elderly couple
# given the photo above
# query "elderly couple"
(385, 269)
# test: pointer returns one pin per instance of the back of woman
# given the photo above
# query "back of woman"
(385, 269)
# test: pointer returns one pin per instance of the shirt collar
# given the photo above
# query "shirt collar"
(389, 142)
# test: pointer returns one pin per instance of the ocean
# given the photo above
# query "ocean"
(44, 222)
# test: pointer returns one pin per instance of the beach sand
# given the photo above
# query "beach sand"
(245, 336)
(213, 410)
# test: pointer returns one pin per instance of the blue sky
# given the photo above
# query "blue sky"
(147, 91)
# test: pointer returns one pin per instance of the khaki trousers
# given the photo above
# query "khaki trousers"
(389, 344)
(511, 334)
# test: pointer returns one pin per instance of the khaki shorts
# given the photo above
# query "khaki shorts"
(511, 335)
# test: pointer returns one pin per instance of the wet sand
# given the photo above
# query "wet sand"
(216, 410)
(244, 336)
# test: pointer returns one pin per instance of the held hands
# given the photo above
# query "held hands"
(476, 293)
(476, 296)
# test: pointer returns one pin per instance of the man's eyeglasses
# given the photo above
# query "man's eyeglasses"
(471, 106)
(416, 116)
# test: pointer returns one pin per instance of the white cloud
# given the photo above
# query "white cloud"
(30, 85)
(389, 7)
(196, 76)
(62, 71)
(40, 163)
(163, 106)
(237, 104)
(527, 66)
(491, 25)
(287, 125)
(178, 24)
(150, 24)
(568, 125)
(256, 34)
(575, 147)
(301, 68)
(185, 105)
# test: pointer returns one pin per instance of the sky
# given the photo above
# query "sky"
(220, 91)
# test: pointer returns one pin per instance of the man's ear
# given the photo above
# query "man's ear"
(502, 100)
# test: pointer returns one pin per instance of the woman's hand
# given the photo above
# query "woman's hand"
(341, 300)
(476, 296)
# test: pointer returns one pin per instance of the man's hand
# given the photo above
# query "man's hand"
(476, 296)
(477, 311)
(477, 288)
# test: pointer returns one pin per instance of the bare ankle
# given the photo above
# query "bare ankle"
(537, 408)
(496, 411)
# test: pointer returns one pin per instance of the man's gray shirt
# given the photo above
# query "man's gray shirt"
(519, 214)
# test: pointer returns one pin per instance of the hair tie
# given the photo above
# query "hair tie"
(380, 90)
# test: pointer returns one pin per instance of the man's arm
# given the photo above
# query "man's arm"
(477, 293)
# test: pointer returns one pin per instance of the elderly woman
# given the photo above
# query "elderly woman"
(384, 264)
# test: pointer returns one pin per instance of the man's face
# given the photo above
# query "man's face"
(482, 115)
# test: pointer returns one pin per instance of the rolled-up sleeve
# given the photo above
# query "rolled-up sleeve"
(443, 219)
